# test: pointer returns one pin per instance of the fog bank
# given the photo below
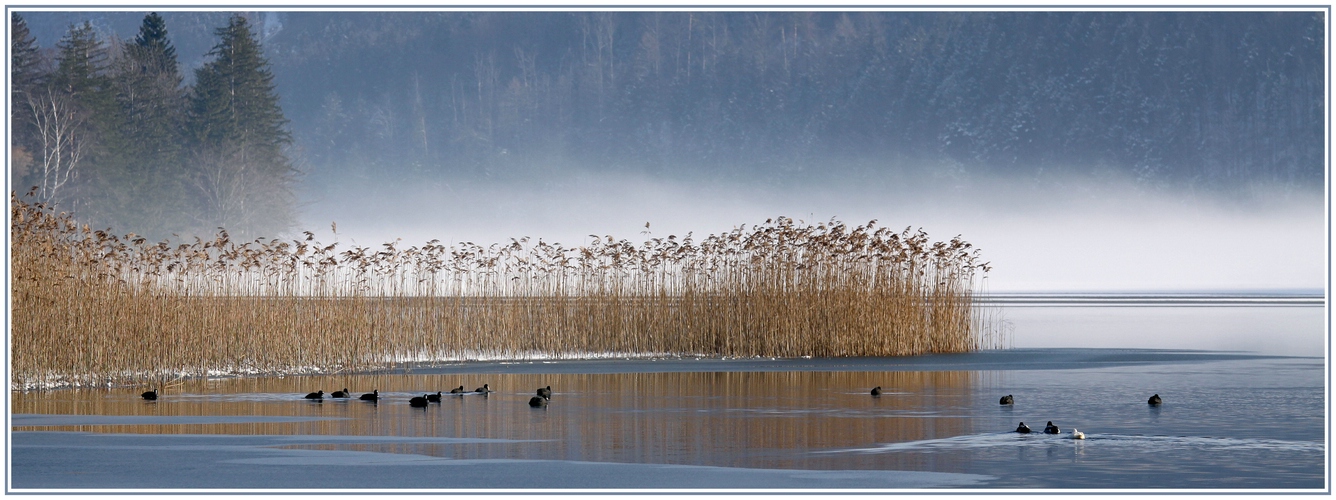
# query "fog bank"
(1087, 234)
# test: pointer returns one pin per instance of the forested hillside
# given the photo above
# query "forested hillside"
(1174, 100)
(1177, 98)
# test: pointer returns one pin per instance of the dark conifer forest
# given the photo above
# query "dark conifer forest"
(105, 130)
(186, 121)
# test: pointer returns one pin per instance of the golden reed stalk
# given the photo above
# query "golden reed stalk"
(92, 308)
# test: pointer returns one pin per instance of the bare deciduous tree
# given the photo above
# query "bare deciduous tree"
(59, 125)
(232, 195)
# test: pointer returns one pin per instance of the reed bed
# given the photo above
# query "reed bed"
(94, 308)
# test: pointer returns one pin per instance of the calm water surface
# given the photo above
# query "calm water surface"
(1227, 422)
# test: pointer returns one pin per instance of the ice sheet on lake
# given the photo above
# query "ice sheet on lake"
(1003, 359)
(1140, 443)
(117, 462)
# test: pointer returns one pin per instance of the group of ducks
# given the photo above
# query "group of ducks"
(544, 394)
(417, 402)
(376, 395)
(1053, 429)
(1050, 428)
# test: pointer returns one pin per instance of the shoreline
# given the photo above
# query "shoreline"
(1056, 358)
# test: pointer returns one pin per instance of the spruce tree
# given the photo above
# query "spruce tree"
(24, 59)
(83, 78)
(241, 174)
(25, 75)
(150, 93)
(81, 63)
(149, 193)
(154, 45)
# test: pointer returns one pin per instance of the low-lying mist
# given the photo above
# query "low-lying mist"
(1061, 234)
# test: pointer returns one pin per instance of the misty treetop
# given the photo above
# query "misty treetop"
(105, 130)
(238, 130)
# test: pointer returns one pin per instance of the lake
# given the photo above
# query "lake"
(1231, 419)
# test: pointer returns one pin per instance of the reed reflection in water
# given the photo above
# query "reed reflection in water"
(735, 419)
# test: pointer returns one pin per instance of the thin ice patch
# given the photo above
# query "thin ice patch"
(1145, 443)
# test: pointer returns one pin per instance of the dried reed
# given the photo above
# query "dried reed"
(92, 308)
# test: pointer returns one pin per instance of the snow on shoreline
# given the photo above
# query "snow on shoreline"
(59, 382)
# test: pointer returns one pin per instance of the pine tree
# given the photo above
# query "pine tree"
(241, 173)
(148, 194)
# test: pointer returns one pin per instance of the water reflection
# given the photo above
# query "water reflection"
(739, 419)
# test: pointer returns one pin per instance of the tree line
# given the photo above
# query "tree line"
(105, 129)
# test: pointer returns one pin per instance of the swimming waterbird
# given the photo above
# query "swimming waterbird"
(1154, 400)
(545, 392)
(316, 395)
(483, 389)
(150, 395)
(1077, 434)
(876, 391)
(371, 396)
(1023, 429)
(434, 398)
(1007, 400)
(457, 390)
(1051, 429)
(341, 394)
(418, 401)
(537, 401)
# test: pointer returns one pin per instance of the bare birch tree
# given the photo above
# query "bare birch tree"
(59, 126)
